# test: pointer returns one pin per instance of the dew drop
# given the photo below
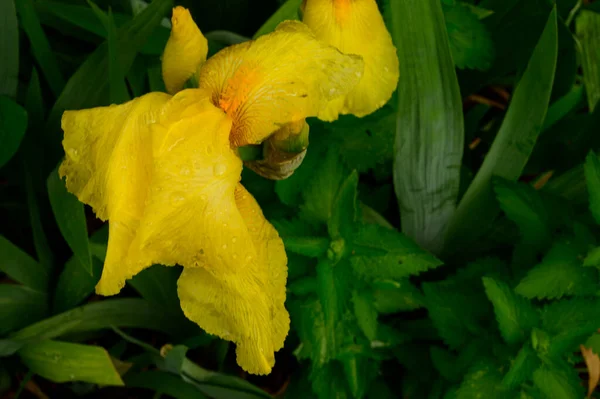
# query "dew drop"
(203, 198)
(233, 239)
(177, 199)
(219, 169)
(224, 246)
(72, 153)
(185, 171)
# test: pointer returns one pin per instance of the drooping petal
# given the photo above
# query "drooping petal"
(191, 217)
(357, 27)
(108, 165)
(281, 77)
(186, 50)
(245, 306)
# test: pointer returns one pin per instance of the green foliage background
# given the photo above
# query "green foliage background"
(446, 246)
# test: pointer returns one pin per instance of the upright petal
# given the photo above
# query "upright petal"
(357, 27)
(245, 306)
(108, 165)
(281, 77)
(186, 50)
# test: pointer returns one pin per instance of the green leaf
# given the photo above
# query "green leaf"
(40, 46)
(513, 143)
(309, 323)
(592, 178)
(392, 296)
(484, 380)
(429, 125)
(445, 362)
(330, 299)
(64, 362)
(593, 343)
(163, 382)
(382, 253)
(360, 372)
(9, 49)
(558, 383)
(521, 368)
(89, 85)
(70, 216)
(313, 247)
(75, 284)
(322, 189)
(587, 26)
(592, 258)
(366, 314)
(287, 11)
(13, 124)
(21, 267)
(515, 315)
(560, 273)
(470, 42)
(21, 306)
(158, 285)
(133, 313)
(330, 381)
(343, 213)
(563, 106)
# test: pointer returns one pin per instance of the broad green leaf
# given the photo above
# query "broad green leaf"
(64, 362)
(13, 124)
(365, 313)
(429, 124)
(9, 48)
(382, 253)
(343, 213)
(592, 177)
(558, 383)
(21, 306)
(360, 372)
(484, 379)
(331, 302)
(392, 296)
(40, 46)
(560, 273)
(587, 26)
(309, 323)
(592, 258)
(70, 217)
(133, 313)
(515, 315)
(313, 247)
(158, 285)
(163, 382)
(287, 11)
(522, 367)
(513, 143)
(21, 267)
(89, 85)
(470, 42)
(330, 381)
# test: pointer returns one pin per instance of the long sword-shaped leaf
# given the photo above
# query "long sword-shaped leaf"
(9, 48)
(513, 144)
(430, 127)
(588, 33)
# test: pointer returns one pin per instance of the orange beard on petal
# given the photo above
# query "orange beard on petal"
(342, 10)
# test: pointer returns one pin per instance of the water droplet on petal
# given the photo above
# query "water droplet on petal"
(224, 246)
(177, 199)
(185, 171)
(219, 169)
(233, 239)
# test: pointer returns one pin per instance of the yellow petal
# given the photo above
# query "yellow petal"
(191, 217)
(185, 51)
(245, 306)
(281, 77)
(357, 27)
(108, 165)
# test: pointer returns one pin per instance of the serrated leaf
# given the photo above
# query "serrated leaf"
(429, 125)
(560, 273)
(515, 315)
(64, 362)
(382, 253)
(524, 206)
(484, 380)
(70, 217)
(558, 383)
(392, 296)
(13, 124)
(343, 213)
(366, 314)
(512, 145)
(521, 368)
(592, 178)
(470, 42)
(587, 25)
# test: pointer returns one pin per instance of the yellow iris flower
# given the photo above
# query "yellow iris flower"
(165, 172)
(356, 27)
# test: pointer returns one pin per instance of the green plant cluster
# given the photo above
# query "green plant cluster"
(446, 246)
